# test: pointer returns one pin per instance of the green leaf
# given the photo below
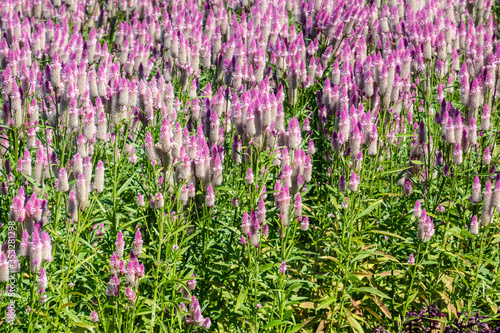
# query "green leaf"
(412, 297)
(396, 170)
(124, 186)
(240, 300)
(355, 324)
(370, 290)
(295, 328)
(370, 208)
(386, 233)
(326, 303)
(87, 326)
(73, 317)
(274, 323)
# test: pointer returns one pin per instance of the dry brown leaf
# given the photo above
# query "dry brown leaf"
(381, 306)
(307, 305)
(389, 273)
(321, 326)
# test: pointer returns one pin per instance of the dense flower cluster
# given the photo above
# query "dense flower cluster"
(167, 128)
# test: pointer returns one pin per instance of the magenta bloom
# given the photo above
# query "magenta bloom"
(137, 243)
(94, 317)
(210, 196)
(120, 245)
(282, 269)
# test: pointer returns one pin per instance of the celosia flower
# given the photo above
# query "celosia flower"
(137, 249)
(353, 182)
(24, 247)
(441, 208)
(206, 323)
(342, 183)
(130, 273)
(417, 210)
(425, 228)
(261, 211)
(304, 225)
(474, 226)
(112, 286)
(210, 196)
(249, 177)
(46, 247)
(114, 263)
(94, 317)
(130, 294)
(99, 177)
(407, 187)
(476, 190)
(4, 268)
(457, 154)
(35, 251)
(265, 230)
(140, 200)
(191, 283)
(282, 269)
(158, 200)
(119, 245)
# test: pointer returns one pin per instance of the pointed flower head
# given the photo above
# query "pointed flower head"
(249, 177)
(210, 196)
(94, 317)
(119, 245)
(283, 268)
(474, 226)
(476, 190)
(417, 210)
(137, 243)
(4, 268)
(411, 260)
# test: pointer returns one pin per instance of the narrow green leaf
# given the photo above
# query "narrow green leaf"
(240, 300)
(326, 303)
(355, 324)
(386, 233)
(274, 323)
(370, 208)
(370, 290)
